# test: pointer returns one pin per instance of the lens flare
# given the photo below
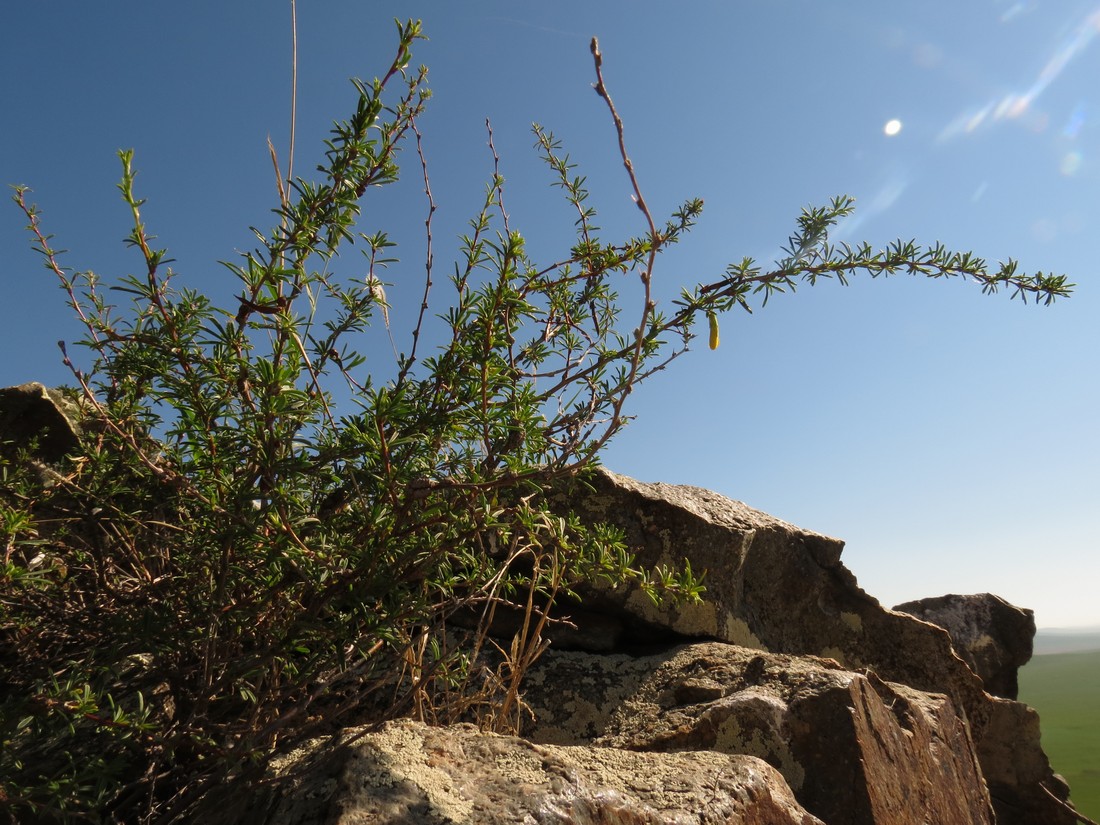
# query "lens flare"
(1019, 105)
(1071, 163)
(1075, 122)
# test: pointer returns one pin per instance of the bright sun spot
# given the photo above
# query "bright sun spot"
(892, 127)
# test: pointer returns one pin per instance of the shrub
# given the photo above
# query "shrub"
(227, 564)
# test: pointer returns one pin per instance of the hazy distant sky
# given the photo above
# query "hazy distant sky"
(951, 438)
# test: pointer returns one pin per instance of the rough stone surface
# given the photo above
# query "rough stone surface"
(770, 585)
(992, 636)
(783, 589)
(32, 411)
(409, 773)
(854, 749)
(1017, 770)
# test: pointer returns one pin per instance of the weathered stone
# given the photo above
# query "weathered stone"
(770, 585)
(995, 639)
(780, 588)
(1024, 789)
(32, 412)
(853, 748)
(992, 636)
(807, 700)
(410, 773)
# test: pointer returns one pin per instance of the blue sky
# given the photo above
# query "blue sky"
(950, 438)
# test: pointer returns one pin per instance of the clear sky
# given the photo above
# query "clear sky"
(950, 438)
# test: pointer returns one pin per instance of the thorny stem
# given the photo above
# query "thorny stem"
(429, 258)
(648, 306)
(293, 88)
(43, 241)
(497, 178)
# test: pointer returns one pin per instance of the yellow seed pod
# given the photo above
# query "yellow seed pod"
(713, 330)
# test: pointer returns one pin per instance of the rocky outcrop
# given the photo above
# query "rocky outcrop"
(782, 589)
(1016, 769)
(32, 415)
(855, 750)
(407, 773)
(770, 585)
(993, 637)
(788, 695)
(862, 715)
(996, 639)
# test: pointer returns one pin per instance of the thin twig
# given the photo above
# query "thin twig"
(497, 179)
(429, 255)
(648, 306)
(293, 88)
(1068, 808)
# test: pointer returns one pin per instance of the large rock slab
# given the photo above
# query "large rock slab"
(783, 589)
(992, 636)
(855, 750)
(770, 585)
(407, 773)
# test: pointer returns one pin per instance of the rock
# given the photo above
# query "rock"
(788, 695)
(783, 589)
(854, 749)
(410, 773)
(770, 585)
(992, 636)
(33, 412)
(1023, 787)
